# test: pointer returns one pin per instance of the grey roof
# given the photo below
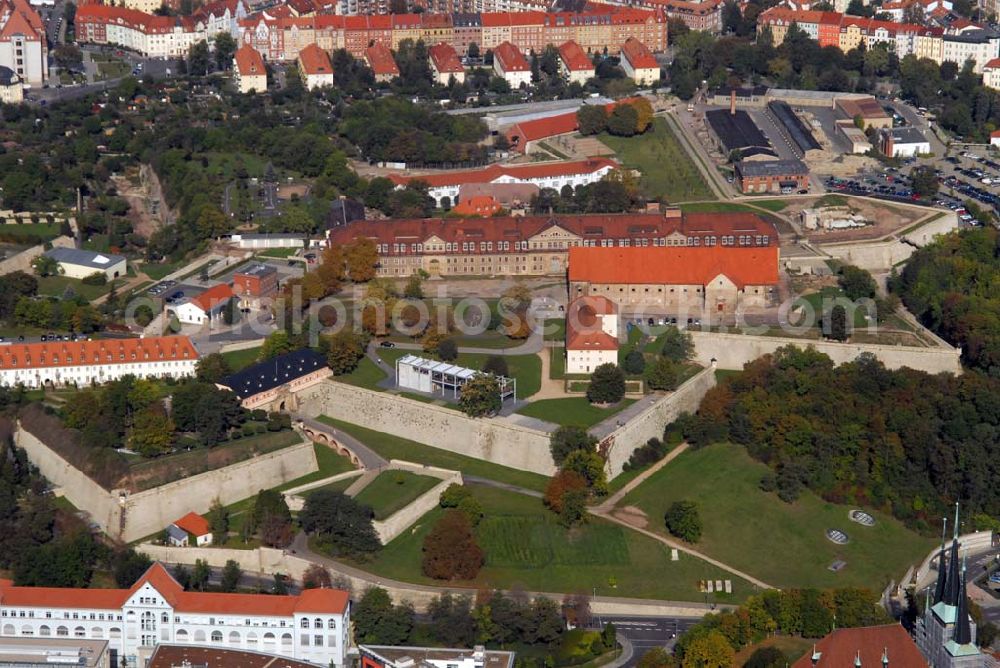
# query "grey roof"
(7, 76)
(274, 372)
(742, 91)
(976, 36)
(736, 130)
(772, 168)
(85, 258)
(177, 533)
(793, 125)
(907, 136)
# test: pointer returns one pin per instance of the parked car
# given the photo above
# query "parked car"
(387, 344)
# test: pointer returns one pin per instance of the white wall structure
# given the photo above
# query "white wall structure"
(77, 263)
(100, 361)
(23, 45)
(510, 64)
(591, 334)
(205, 307)
(313, 626)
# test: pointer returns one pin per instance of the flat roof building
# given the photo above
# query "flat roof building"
(867, 109)
(798, 135)
(442, 378)
(183, 656)
(255, 283)
(46, 652)
(77, 263)
(734, 130)
(383, 656)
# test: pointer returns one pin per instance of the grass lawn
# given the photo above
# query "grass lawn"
(742, 524)
(667, 170)
(329, 464)
(393, 447)
(336, 486)
(241, 359)
(55, 286)
(816, 299)
(525, 547)
(158, 271)
(279, 252)
(572, 411)
(391, 491)
(554, 329)
(30, 232)
(771, 204)
(367, 374)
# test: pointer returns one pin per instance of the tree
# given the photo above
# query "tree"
(657, 657)
(414, 287)
(634, 363)
(856, 283)
(766, 657)
(231, 311)
(361, 257)
(924, 180)
(198, 58)
(450, 550)
(128, 566)
(279, 587)
(607, 384)
(480, 396)
(678, 345)
(218, 521)
(592, 119)
(710, 650)
(344, 350)
(589, 465)
(268, 504)
(644, 114)
(212, 368)
(231, 574)
(277, 343)
(45, 266)
(316, 577)
(623, 120)
(568, 439)
(682, 520)
(496, 365)
(212, 222)
(200, 575)
(447, 350)
(662, 375)
(153, 431)
(341, 525)
(837, 323)
(225, 48)
(561, 483)
(378, 621)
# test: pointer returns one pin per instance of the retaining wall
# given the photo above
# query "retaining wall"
(490, 439)
(732, 351)
(404, 518)
(650, 423)
(883, 255)
(22, 261)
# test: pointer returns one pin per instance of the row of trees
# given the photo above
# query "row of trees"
(580, 478)
(627, 118)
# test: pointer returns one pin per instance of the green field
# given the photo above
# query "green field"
(367, 375)
(335, 486)
(393, 447)
(55, 286)
(241, 359)
(572, 411)
(279, 252)
(771, 204)
(329, 464)
(391, 491)
(667, 170)
(158, 271)
(525, 547)
(815, 300)
(29, 232)
(743, 525)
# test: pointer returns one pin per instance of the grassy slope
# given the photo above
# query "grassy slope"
(742, 525)
(572, 411)
(241, 359)
(393, 490)
(525, 547)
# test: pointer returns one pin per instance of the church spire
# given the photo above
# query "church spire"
(939, 587)
(963, 632)
(953, 583)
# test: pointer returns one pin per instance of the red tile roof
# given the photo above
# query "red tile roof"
(219, 294)
(510, 57)
(315, 60)
(249, 62)
(520, 172)
(583, 327)
(540, 128)
(992, 64)
(309, 601)
(843, 647)
(480, 205)
(445, 58)
(674, 265)
(194, 524)
(638, 55)
(574, 57)
(589, 339)
(380, 59)
(98, 351)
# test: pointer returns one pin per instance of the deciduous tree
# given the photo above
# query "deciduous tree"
(480, 396)
(607, 384)
(450, 550)
(682, 520)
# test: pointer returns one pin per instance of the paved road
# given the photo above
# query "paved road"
(369, 458)
(486, 482)
(644, 633)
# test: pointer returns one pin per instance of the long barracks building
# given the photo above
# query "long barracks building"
(539, 245)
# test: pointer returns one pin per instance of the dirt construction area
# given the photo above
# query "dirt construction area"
(883, 219)
(141, 189)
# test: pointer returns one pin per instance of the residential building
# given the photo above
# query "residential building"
(903, 142)
(991, 74)
(83, 363)
(538, 245)
(315, 67)
(184, 656)
(591, 333)
(146, 34)
(77, 263)
(719, 278)
(772, 176)
(705, 15)
(23, 43)
(44, 652)
(574, 63)
(192, 529)
(877, 646)
(380, 59)
(249, 70)
(511, 65)
(639, 64)
(204, 308)
(221, 16)
(445, 64)
(866, 109)
(554, 175)
(255, 284)
(980, 45)
(312, 626)
(271, 384)
(11, 88)
(381, 656)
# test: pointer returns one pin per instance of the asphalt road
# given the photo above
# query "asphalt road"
(645, 633)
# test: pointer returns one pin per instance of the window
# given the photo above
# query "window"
(318, 624)
(304, 640)
(304, 623)
(318, 641)
(332, 624)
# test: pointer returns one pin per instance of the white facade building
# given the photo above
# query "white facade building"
(263, 241)
(981, 45)
(511, 65)
(591, 334)
(205, 307)
(312, 626)
(23, 45)
(991, 74)
(903, 142)
(100, 361)
(77, 263)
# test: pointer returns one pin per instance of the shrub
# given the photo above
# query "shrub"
(497, 365)
(635, 363)
(682, 520)
(447, 350)
(653, 451)
(97, 278)
(607, 385)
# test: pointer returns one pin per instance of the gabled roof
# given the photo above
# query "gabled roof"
(380, 59)
(194, 524)
(445, 58)
(541, 128)
(478, 205)
(583, 326)
(315, 60)
(249, 62)
(510, 58)
(674, 265)
(273, 373)
(842, 648)
(992, 64)
(574, 57)
(212, 298)
(638, 56)
(98, 351)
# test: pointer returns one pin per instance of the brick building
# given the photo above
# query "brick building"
(772, 176)
(256, 282)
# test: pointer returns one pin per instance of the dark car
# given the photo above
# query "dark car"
(387, 344)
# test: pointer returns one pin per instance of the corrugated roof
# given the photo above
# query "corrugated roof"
(674, 265)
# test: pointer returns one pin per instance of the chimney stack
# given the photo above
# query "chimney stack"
(732, 102)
